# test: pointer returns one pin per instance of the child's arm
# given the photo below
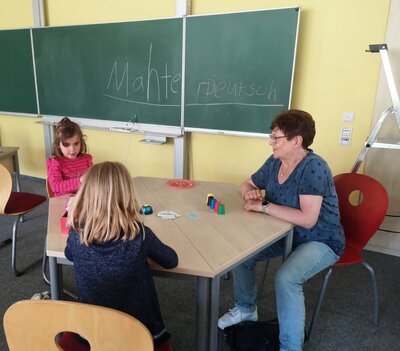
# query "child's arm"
(89, 160)
(72, 241)
(164, 255)
(60, 174)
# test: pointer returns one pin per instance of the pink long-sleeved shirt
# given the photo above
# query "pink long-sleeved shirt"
(64, 174)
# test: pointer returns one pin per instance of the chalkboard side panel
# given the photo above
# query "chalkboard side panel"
(17, 84)
(239, 69)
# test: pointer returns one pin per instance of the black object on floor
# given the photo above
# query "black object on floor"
(253, 336)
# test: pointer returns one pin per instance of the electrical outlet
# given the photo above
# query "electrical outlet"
(347, 132)
(345, 137)
(345, 141)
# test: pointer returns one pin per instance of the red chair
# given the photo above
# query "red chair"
(360, 222)
(16, 204)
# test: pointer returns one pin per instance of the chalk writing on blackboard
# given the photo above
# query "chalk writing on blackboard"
(155, 87)
(211, 92)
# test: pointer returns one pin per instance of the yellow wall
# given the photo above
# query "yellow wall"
(15, 14)
(333, 75)
(98, 11)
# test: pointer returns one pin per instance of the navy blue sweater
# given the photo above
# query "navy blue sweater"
(116, 275)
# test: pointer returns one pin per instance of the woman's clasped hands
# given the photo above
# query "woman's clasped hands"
(253, 200)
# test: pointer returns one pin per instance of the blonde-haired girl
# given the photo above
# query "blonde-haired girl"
(110, 245)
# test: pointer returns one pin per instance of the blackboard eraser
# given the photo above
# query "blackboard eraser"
(154, 139)
(123, 130)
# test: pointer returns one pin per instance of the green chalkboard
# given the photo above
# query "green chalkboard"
(17, 82)
(114, 71)
(239, 69)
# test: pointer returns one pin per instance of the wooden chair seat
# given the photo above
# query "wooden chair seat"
(36, 325)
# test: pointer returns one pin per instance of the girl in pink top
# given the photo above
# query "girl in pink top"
(70, 160)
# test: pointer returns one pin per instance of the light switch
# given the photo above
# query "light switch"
(348, 117)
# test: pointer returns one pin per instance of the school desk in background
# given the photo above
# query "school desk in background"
(9, 159)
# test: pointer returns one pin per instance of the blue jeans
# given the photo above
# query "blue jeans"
(305, 261)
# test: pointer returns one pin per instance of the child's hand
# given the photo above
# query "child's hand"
(69, 203)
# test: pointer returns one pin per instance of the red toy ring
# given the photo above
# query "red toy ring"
(181, 183)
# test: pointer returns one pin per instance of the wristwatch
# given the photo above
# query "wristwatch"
(264, 205)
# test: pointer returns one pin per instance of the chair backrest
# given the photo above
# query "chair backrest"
(5, 187)
(50, 192)
(33, 325)
(360, 222)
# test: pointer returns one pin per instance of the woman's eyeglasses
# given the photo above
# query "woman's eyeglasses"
(275, 138)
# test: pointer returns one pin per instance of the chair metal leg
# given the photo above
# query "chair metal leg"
(46, 279)
(17, 272)
(44, 263)
(319, 303)
(374, 290)
(322, 293)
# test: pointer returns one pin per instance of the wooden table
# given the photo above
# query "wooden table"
(207, 247)
(9, 159)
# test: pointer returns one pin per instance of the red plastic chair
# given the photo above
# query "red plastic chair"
(16, 204)
(360, 222)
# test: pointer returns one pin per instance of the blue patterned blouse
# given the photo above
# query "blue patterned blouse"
(311, 176)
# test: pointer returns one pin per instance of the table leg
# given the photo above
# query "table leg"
(202, 315)
(214, 309)
(55, 278)
(288, 244)
(16, 172)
